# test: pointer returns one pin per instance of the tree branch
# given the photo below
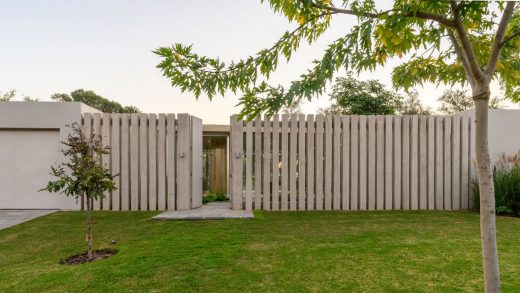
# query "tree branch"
(499, 37)
(462, 58)
(417, 14)
(509, 38)
(466, 46)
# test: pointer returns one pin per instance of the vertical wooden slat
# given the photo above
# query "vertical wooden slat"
(455, 163)
(249, 166)
(439, 163)
(125, 162)
(423, 164)
(380, 162)
(345, 158)
(143, 161)
(464, 174)
(397, 163)
(319, 162)
(328, 162)
(447, 163)
(301, 162)
(134, 162)
(414, 166)
(196, 161)
(336, 163)
(96, 130)
(431, 162)
(152, 162)
(354, 159)
(171, 162)
(285, 162)
(310, 162)
(276, 159)
(372, 145)
(237, 165)
(258, 163)
(161, 162)
(184, 163)
(292, 162)
(267, 164)
(363, 147)
(105, 158)
(389, 157)
(87, 131)
(115, 153)
(405, 202)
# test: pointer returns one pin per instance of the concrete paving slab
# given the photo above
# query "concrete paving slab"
(210, 211)
(9, 218)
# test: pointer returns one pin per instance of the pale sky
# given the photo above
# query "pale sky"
(49, 46)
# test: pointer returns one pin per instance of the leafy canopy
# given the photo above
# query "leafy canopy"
(350, 96)
(414, 30)
(94, 100)
(83, 174)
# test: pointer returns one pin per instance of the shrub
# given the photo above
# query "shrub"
(214, 196)
(506, 177)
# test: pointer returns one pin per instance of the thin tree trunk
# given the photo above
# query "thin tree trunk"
(90, 254)
(487, 193)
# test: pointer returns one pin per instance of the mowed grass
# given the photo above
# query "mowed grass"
(412, 251)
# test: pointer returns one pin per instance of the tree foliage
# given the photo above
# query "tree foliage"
(350, 96)
(94, 100)
(457, 100)
(411, 105)
(415, 29)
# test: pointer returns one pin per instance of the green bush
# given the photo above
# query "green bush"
(507, 189)
(214, 196)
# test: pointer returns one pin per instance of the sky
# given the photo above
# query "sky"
(50, 46)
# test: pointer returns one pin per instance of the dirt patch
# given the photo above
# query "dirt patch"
(82, 257)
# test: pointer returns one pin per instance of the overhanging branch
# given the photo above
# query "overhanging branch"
(499, 38)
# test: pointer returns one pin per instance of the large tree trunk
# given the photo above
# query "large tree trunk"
(481, 96)
(90, 254)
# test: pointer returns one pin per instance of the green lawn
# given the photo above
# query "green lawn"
(276, 252)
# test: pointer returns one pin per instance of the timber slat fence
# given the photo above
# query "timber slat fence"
(307, 162)
(155, 157)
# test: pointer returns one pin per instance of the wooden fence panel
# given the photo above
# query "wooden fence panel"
(115, 154)
(389, 158)
(447, 163)
(405, 199)
(336, 163)
(171, 162)
(310, 162)
(96, 130)
(431, 162)
(398, 163)
(455, 163)
(423, 164)
(236, 165)
(161, 162)
(293, 143)
(258, 163)
(439, 163)
(380, 162)
(414, 163)
(319, 162)
(345, 170)
(125, 162)
(249, 166)
(354, 163)
(464, 172)
(105, 141)
(285, 163)
(372, 155)
(328, 163)
(301, 162)
(275, 161)
(363, 147)
(267, 164)
(152, 162)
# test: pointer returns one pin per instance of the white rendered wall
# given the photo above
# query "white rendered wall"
(30, 136)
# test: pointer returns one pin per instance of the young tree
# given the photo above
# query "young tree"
(457, 100)
(94, 100)
(350, 96)
(7, 96)
(447, 42)
(83, 176)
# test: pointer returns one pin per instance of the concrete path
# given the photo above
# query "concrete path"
(210, 211)
(9, 218)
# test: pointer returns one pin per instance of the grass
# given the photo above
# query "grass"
(276, 252)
